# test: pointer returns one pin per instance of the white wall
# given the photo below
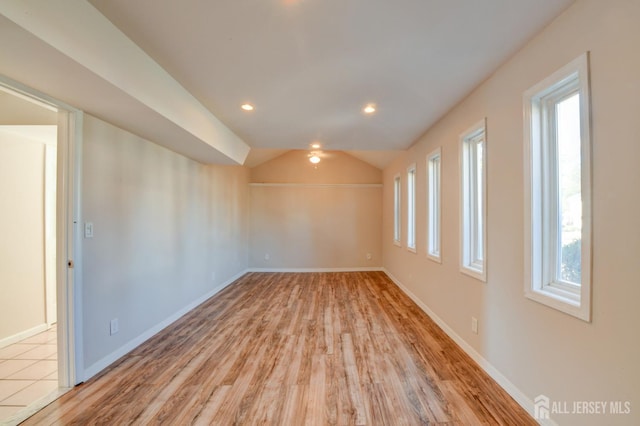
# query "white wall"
(538, 349)
(18, 111)
(313, 217)
(28, 138)
(167, 231)
(22, 255)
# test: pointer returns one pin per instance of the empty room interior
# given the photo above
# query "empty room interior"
(320, 212)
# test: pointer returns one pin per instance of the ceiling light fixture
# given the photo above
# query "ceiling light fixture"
(369, 109)
(315, 145)
(314, 159)
(247, 107)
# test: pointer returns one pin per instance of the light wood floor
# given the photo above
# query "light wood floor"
(289, 349)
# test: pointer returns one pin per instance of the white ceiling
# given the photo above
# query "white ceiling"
(308, 66)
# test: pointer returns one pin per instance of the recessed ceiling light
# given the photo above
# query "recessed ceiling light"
(315, 145)
(314, 159)
(369, 109)
(247, 107)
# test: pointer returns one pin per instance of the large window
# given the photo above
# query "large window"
(411, 208)
(396, 210)
(433, 205)
(557, 190)
(473, 196)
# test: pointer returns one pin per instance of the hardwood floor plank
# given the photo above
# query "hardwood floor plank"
(353, 380)
(461, 410)
(328, 330)
(317, 395)
(212, 406)
(293, 349)
(295, 407)
(381, 407)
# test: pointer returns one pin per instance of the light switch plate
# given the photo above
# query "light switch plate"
(114, 326)
(88, 230)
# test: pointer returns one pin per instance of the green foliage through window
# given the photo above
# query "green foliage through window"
(571, 261)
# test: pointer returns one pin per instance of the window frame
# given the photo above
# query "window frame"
(411, 208)
(434, 205)
(397, 210)
(473, 235)
(540, 197)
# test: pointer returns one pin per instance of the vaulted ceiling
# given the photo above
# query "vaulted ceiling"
(308, 67)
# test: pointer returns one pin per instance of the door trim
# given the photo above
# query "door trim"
(68, 218)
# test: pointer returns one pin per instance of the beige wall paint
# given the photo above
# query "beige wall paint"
(18, 111)
(335, 167)
(538, 349)
(167, 231)
(327, 216)
(22, 300)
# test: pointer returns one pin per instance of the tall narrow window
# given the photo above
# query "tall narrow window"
(473, 202)
(396, 210)
(557, 190)
(433, 205)
(411, 208)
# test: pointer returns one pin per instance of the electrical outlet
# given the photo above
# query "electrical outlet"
(267, 257)
(369, 256)
(213, 276)
(114, 326)
(474, 325)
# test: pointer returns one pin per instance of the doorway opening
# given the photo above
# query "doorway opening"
(39, 143)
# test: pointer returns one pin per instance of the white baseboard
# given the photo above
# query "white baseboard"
(10, 340)
(520, 397)
(137, 341)
(303, 270)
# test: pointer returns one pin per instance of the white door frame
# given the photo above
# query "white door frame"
(69, 242)
(50, 227)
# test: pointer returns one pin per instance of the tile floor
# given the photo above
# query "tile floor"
(28, 372)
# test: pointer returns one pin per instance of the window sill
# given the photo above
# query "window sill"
(397, 243)
(474, 273)
(554, 299)
(434, 258)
